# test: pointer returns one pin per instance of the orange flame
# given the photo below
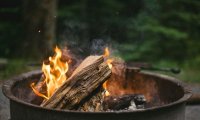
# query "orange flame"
(105, 88)
(37, 92)
(55, 74)
(109, 62)
(106, 52)
(106, 55)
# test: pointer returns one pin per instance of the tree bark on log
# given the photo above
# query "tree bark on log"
(87, 77)
(94, 102)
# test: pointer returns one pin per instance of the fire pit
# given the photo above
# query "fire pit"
(166, 98)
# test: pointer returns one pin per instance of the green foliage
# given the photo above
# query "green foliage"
(10, 31)
(163, 30)
(10, 37)
(10, 10)
(154, 31)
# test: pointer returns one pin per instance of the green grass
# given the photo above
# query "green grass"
(186, 75)
(190, 75)
(189, 72)
(15, 67)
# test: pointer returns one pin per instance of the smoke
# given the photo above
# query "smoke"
(75, 35)
(98, 46)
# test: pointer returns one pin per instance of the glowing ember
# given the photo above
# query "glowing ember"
(109, 62)
(105, 88)
(55, 74)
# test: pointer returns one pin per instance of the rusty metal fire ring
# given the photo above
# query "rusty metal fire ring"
(21, 110)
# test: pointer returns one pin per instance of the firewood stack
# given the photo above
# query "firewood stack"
(83, 90)
(87, 77)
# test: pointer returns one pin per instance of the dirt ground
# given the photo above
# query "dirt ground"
(192, 112)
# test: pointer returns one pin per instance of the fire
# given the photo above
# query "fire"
(106, 52)
(105, 88)
(55, 74)
(106, 55)
(109, 62)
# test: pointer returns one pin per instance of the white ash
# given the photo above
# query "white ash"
(132, 106)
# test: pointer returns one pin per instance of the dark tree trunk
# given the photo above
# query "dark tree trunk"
(39, 21)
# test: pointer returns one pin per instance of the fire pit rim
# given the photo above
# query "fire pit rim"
(8, 85)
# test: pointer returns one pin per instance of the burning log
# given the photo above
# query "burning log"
(41, 88)
(58, 65)
(94, 102)
(123, 101)
(87, 77)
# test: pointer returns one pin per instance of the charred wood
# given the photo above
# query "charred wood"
(87, 77)
(123, 101)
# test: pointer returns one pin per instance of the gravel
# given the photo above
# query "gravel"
(4, 106)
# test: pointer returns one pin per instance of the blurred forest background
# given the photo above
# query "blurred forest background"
(158, 32)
